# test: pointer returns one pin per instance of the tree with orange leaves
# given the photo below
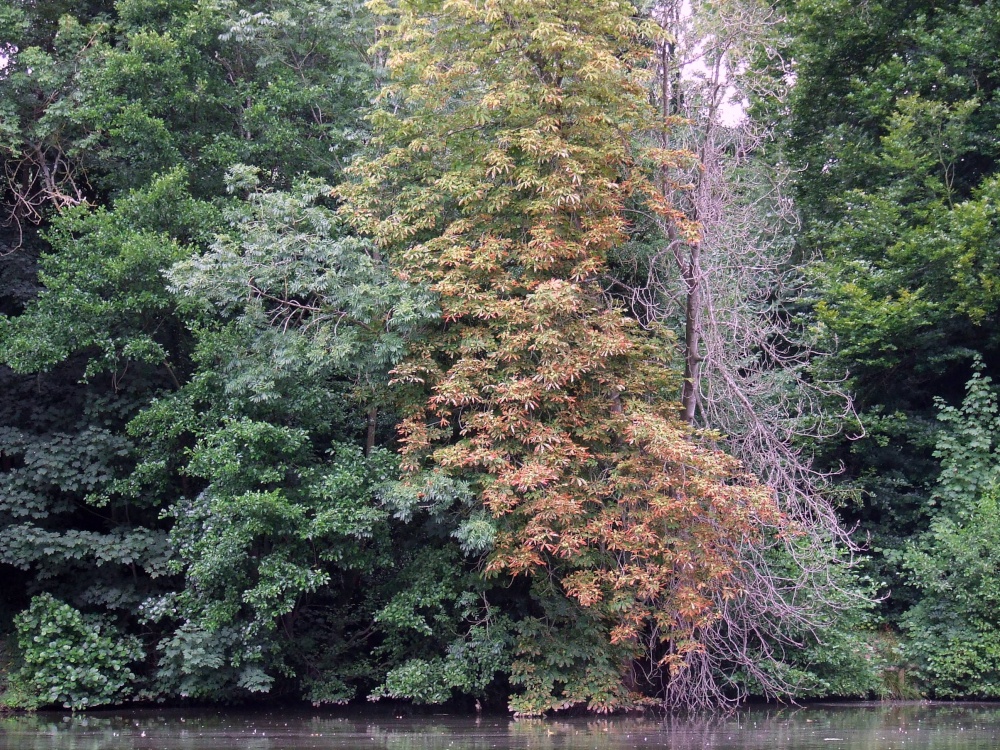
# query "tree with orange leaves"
(507, 153)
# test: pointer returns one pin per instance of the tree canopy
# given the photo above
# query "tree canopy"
(528, 353)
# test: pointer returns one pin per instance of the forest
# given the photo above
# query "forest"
(531, 355)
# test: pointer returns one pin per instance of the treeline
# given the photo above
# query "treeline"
(457, 351)
(894, 122)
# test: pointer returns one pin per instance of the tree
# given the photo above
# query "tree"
(732, 290)
(749, 355)
(99, 100)
(283, 547)
(119, 123)
(952, 627)
(892, 125)
(505, 158)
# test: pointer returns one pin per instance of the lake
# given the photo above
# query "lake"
(878, 726)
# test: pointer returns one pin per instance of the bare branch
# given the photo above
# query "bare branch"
(746, 354)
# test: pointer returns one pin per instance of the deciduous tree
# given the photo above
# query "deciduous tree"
(505, 157)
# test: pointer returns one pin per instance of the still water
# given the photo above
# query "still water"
(830, 727)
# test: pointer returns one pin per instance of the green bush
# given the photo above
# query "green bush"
(954, 628)
(71, 659)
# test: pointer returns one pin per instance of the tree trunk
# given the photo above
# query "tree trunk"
(692, 334)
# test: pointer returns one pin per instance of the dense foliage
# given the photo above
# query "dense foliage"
(72, 659)
(894, 122)
(507, 154)
(341, 356)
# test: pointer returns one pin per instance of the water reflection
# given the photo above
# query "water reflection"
(831, 727)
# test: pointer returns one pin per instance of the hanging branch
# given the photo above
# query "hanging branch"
(746, 356)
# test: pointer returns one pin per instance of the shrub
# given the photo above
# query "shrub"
(71, 659)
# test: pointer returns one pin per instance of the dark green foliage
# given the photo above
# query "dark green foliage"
(117, 124)
(441, 632)
(147, 87)
(894, 119)
(954, 627)
(70, 659)
(199, 493)
(60, 449)
(565, 659)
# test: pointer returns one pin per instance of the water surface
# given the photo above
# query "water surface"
(830, 727)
